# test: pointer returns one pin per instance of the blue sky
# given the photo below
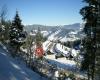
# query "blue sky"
(45, 12)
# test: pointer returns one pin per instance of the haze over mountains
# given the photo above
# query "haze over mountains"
(75, 26)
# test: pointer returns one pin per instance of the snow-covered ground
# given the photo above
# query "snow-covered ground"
(46, 45)
(59, 48)
(10, 69)
(53, 35)
(52, 45)
(62, 62)
(62, 49)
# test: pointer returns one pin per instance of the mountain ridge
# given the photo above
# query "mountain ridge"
(75, 26)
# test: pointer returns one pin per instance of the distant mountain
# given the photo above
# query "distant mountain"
(61, 33)
(75, 26)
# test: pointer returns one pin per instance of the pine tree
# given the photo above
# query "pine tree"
(89, 14)
(17, 35)
(39, 37)
(97, 60)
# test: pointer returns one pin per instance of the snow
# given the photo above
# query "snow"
(59, 34)
(62, 62)
(59, 48)
(56, 74)
(72, 32)
(2, 27)
(24, 50)
(52, 47)
(46, 45)
(62, 49)
(10, 69)
(3, 47)
(53, 35)
(32, 34)
(74, 52)
(63, 35)
(64, 39)
(45, 33)
(65, 50)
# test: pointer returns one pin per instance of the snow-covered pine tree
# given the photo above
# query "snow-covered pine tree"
(91, 14)
(97, 60)
(16, 34)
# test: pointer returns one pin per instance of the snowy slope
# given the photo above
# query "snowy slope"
(62, 63)
(62, 34)
(59, 48)
(10, 69)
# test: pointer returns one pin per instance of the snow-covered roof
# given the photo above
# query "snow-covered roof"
(62, 48)
(72, 32)
(65, 39)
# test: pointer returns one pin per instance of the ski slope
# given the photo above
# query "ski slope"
(10, 69)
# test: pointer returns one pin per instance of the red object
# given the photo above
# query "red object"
(39, 52)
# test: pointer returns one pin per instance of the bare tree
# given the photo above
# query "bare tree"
(3, 14)
(4, 23)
